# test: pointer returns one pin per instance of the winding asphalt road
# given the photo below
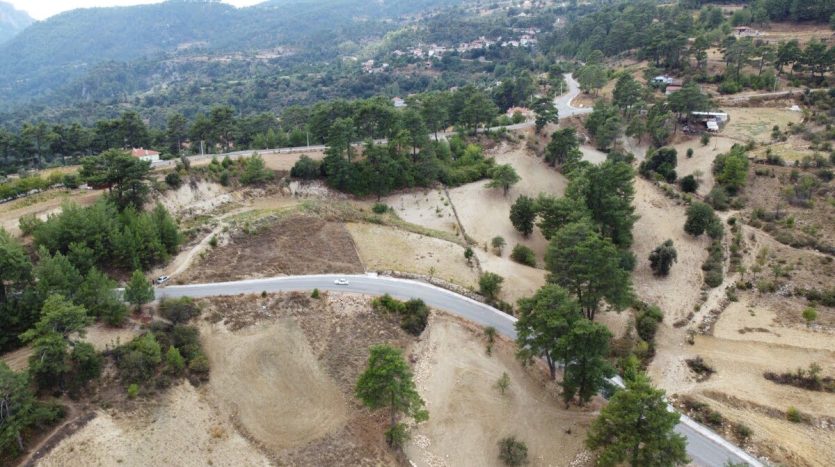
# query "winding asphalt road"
(704, 446)
(563, 101)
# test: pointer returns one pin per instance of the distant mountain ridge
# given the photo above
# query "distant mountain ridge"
(53, 53)
(12, 21)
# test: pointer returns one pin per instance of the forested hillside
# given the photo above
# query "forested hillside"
(69, 46)
(12, 21)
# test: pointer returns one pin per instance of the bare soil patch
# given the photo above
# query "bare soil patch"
(660, 219)
(301, 411)
(183, 429)
(41, 206)
(384, 248)
(468, 414)
(286, 390)
(485, 212)
(298, 244)
(429, 208)
(520, 281)
(701, 164)
(755, 123)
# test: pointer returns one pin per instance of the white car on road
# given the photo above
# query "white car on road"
(162, 279)
(341, 282)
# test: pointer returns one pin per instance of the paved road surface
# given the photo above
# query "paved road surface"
(563, 102)
(703, 445)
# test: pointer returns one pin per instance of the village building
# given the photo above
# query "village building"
(145, 154)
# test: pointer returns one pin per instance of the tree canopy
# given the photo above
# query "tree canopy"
(544, 320)
(387, 382)
(589, 267)
(635, 427)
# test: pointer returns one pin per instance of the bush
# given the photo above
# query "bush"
(199, 365)
(413, 314)
(255, 172)
(490, 284)
(729, 87)
(714, 278)
(28, 223)
(689, 184)
(647, 322)
(178, 310)
(647, 328)
(662, 258)
(742, 431)
(512, 451)
(380, 208)
(213, 241)
(663, 162)
(523, 255)
(498, 243)
(137, 361)
(699, 216)
(810, 315)
(173, 180)
(70, 181)
(793, 415)
(718, 198)
(174, 362)
(133, 391)
(315, 294)
(306, 168)
(705, 139)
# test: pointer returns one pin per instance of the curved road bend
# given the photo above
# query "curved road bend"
(563, 102)
(705, 447)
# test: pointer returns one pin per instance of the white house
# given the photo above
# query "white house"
(398, 102)
(663, 79)
(145, 154)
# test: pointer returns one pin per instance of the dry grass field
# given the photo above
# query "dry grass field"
(281, 393)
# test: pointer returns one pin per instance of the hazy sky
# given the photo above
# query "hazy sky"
(42, 9)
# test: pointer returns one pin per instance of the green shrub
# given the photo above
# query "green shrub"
(137, 360)
(523, 255)
(71, 181)
(718, 198)
(173, 180)
(306, 168)
(689, 184)
(255, 172)
(380, 208)
(174, 362)
(315, 294)
(178, 310)
(490, 284)
(133, 391)
(714, 278)
(199, 365)
(413, 314)
(743, 431)
(793, 415)
(513, 452)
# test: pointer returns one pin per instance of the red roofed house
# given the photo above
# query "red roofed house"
(145, 154)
